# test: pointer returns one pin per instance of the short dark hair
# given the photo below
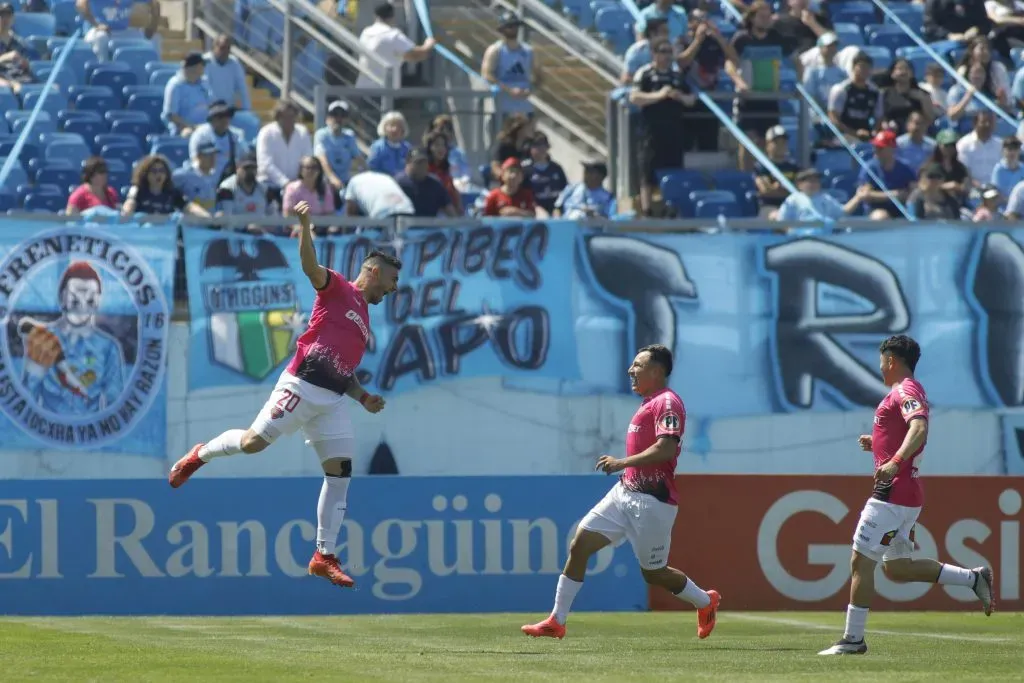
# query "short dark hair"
(377, 257)
(92, 166)
(863, 58)
(903, 347)
(652, 27)
(661, 355)
(385, 11)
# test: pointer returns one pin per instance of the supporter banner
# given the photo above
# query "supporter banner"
(83, 344)
(241, 546)
(783, 542)
(485, 301)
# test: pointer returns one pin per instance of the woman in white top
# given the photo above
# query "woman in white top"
(997, 78)
(1008, 18)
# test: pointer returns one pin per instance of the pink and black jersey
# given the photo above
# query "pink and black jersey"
(329, 351)
(904, 403)
(660, 415)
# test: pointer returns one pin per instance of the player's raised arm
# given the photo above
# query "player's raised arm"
(316, 273)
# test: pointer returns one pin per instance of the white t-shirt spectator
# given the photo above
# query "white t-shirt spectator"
(279, 159)
(378, 195)
(979, 157)
(388, 43)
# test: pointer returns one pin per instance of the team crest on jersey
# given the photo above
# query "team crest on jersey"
(84, 344)
(910, 405)
(276, 413)
(669, 422)
(252, 305)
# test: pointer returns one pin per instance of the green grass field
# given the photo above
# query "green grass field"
(599, 647)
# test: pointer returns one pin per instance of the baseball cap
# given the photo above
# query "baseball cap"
(884, 138)
(508, 20)
(220, 108)
(193, 59)
(1011, 141)
(338, 106)
(247, 160)
(989, 192)
(207, 148)
(511, 162)
(417, 154)
(775, 132)
(827, 39)
(947, 136)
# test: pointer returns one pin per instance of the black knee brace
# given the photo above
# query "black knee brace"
(346, 470)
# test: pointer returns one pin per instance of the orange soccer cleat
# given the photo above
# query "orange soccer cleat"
(327, 566)
(706, 616)
(549, 628)
(185, 468)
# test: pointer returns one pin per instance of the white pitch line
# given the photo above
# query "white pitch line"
(810, 625)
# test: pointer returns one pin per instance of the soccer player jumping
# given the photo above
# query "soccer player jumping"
(642, 505)
(311, 391)
(886, 527)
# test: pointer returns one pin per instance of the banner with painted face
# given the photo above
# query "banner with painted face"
(483, 301)
(85, 312)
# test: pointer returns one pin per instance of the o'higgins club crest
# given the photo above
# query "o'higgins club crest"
(83, 337)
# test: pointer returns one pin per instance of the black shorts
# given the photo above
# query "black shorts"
(757, 116)
(658, 153)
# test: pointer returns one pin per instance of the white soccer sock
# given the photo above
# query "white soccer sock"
(856, 620)
(693, 594)
(564, 595)
(330, 512)
(951, 575)
(228, 443)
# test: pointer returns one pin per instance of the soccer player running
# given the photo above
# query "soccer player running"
(886, 527)
(312, 389)
(642, 505)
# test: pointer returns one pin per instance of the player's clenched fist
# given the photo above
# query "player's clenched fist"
(42, 347)
(865, 442)
(373, 403)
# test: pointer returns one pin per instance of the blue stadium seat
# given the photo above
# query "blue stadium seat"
(119, 175)
(265, 31)
(909, 13)
(34, 24)
(249, 123)
(836, 160)
(59, 175)
(849, 34)
(113, 138)
(97, 103)
(77, 90)
(175, 150)
(92, 65)
(135, 130)
(8, 200)
(152, 105)
(708, 205)
(841, 196)
(750, 204)
(888, 35)
(847, 182)
(76, 61)
(56, 42)
(68, 115)
(128, 153)
(115, 80)
(117, 43)
(50, 203)
(5, 128)
(737, 182)
(77, 152)
(161, 76)
(160, 66)
(137, 56)
(64, 79)
(580, 11)
(34, 89)
(141, 89)
(22, 191)
(66, 16)
(18, 175)
(87, 129)
(125, 115)
(856, 12)
(613, 20)
(46, 139)
(676, 186)
(19, 118)
(28, 151)
(53, 103)
(8, 100)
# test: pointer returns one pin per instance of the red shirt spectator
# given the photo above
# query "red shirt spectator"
(94, 190)
(511, 199)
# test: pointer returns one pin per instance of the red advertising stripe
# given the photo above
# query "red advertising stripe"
(783, 542)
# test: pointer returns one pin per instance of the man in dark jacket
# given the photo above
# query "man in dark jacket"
(958, 20)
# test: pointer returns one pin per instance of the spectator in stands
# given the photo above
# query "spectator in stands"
(914, 147)
(1007, 18)
(14, 53)
(956, 178)
(311, 187)
(230, 142)
(187, 97)
(988, 209)
(512, 199)
(544, 176)
(800, 26)
(460, 169)
(389, 150)
(588, 199)
(704, 53)
(929, 200)
(960, 100)
(958, 20)
(509, 64)
(199, 180)
(934, 85)
(1009, 171)
(242, 194)
(336, 146)
(514, 139)
(436, 145)
(666, 10)
(820, 78)
(997, 78)
(112, 19)
(153, 191)
(770, 191)
(761, 50)
(429, 196)
(393, 48)
(95, 189)
(902, 97)
(281, 145)
(663, 96)
(855, 105)
(980, 150)
(226, 74)
(896, 176)
(376, 195)
(812, 204)
(639, 53)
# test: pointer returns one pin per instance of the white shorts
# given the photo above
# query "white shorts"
(885, 531)
(322, 414)
(639, 517)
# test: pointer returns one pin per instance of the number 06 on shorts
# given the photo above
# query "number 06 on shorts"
(641, 518)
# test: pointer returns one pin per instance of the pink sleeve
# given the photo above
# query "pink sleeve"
(329, 201)
(77, 198)
(113, 197)
(669, 416)
(335, 285)
(913, 402)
